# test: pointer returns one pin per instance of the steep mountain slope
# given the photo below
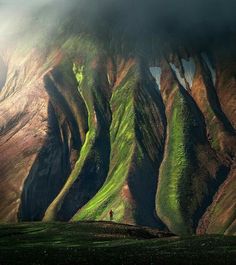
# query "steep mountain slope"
(137, 137)
(24, 111)
(185, 176)
(91, 123)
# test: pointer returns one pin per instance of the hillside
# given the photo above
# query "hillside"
(93, 118)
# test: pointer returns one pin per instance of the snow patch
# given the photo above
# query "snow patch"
(156, 73)
(189, 70)
(178, 75)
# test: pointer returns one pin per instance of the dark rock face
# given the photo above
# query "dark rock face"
(43, 182)
(94, 131)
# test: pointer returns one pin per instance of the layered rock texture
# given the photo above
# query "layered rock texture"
(85, 129)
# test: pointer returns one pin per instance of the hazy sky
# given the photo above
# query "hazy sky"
(16, 15)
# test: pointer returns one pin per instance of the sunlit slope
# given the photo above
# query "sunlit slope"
(137, 137)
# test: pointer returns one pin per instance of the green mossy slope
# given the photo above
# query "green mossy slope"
(132, 172)
(176, 169)
(122, 149)
(92, 161)
(181, 190)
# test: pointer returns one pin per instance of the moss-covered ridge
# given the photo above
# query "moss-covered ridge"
(132, 165)
(176, 170)
(91, 167)
(122, 135)
(185, 174)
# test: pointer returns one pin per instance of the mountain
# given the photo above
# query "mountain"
(91, 120)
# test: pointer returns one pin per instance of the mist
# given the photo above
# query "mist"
(197, 21)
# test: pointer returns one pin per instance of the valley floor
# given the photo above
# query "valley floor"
(95, 243)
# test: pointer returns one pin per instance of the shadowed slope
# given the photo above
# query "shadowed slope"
(90, 169)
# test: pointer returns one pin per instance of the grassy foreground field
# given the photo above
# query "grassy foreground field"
(106, 243)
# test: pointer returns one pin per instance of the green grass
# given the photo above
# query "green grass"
(52, 210)
(136, 137)
(107, 243)
(122, 135)
(86, 79)
(177, 197)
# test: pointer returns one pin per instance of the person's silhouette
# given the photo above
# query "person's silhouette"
(111, 213)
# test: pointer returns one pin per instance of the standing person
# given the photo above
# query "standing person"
(111, 213)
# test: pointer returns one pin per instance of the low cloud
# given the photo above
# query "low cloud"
(199, 20)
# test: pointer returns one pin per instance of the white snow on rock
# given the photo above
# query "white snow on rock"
(189, 70)
(156, 73)
(178, 75)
